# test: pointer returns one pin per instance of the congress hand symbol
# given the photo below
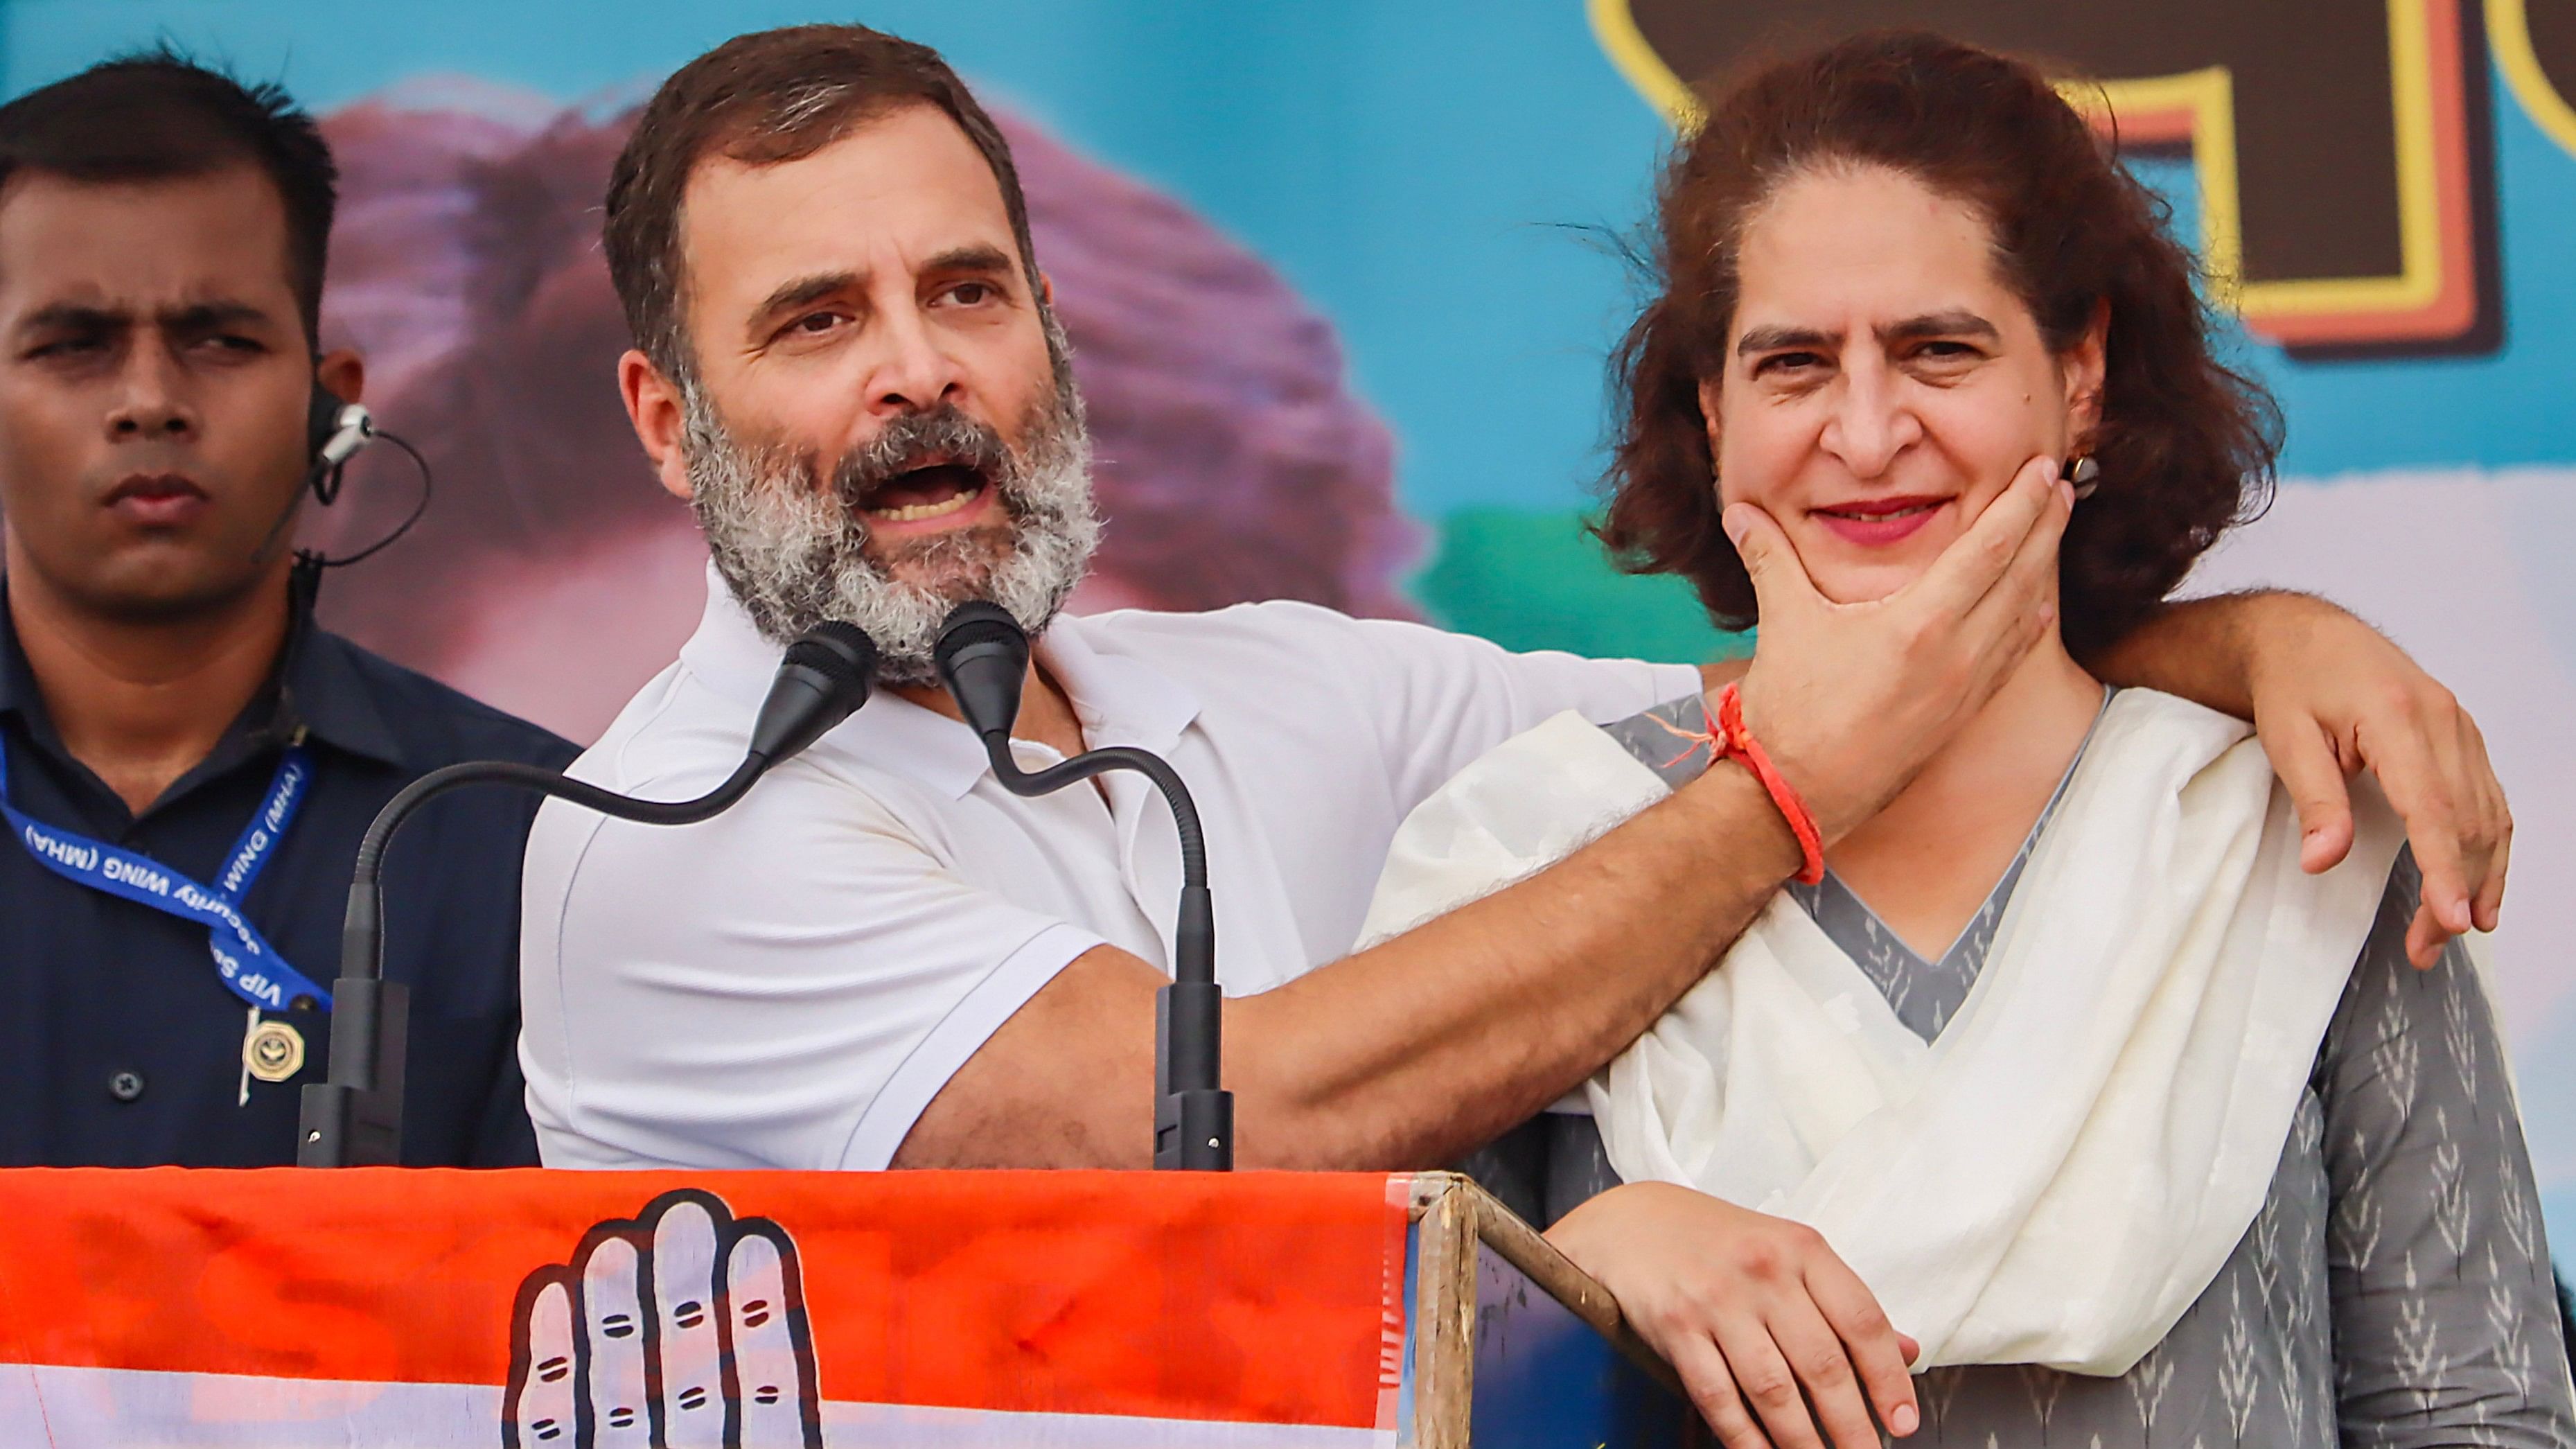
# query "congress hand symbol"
(681, 1328)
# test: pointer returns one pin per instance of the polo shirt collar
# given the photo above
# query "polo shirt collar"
(319, 689)
(1117, 699)
(323, 692)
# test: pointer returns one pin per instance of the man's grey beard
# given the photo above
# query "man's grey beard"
(794, 551)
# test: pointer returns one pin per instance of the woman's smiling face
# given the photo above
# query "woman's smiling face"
(1882, 383)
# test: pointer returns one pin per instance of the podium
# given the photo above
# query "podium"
(768, 1310)
(1513, 1347)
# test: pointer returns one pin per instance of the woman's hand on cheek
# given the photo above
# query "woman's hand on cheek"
(1850, 700)
(2332, 697)
(1750, 1310)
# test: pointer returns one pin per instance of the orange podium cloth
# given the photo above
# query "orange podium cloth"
(380, 1305)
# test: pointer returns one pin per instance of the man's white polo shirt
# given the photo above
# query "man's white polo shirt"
(790, 983)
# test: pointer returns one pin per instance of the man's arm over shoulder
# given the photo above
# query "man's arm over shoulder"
(2330, 696)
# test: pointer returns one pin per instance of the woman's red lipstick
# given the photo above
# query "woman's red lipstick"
(1878, 522)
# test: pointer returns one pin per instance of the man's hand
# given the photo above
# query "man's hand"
(2332, 697)
(1849, 700)
(1747, 1307)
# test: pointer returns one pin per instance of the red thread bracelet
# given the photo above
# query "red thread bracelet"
(1734, 741)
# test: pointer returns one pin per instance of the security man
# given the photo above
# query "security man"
(190, 761)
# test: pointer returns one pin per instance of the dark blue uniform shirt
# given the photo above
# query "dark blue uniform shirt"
(119, 1045)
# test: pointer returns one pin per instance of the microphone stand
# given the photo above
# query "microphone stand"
(355, 1117)
(983, 656)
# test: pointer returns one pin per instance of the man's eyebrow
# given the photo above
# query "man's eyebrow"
(75, 317)
(1774, 339)
(1957, 322)
(210, 316)
(805, 291)
(977, 257)
(193, 318)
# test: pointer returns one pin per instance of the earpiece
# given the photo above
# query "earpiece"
(321, 420)
(334, 431)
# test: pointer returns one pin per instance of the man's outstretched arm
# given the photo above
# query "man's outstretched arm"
(1429, 1044)
(1410, 1053)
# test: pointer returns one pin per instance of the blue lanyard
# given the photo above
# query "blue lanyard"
(251, 968)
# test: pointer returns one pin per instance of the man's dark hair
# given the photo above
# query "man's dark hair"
(762, 99)
(156, 115)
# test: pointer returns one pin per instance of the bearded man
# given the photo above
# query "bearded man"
(847, 361)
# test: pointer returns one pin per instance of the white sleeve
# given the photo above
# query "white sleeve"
(784, 986)
(1444, 699)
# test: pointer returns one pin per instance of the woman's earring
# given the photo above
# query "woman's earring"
(2085, 474)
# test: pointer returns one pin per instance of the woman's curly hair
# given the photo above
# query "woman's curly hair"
(2186, 445)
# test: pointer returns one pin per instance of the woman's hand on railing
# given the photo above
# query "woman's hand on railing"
(1755, 1313)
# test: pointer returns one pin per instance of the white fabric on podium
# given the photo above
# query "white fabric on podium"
(2060, 1173)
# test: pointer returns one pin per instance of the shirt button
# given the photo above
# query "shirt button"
(125, 1086)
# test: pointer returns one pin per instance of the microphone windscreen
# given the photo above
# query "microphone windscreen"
(983, 655)
(841, 652)
(822, 681)
(979, 621)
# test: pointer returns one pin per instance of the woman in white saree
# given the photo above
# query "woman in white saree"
(2150, 1137)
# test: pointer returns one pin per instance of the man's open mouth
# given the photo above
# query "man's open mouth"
(918, 495)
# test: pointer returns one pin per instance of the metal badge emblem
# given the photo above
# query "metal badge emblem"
(274, 1051)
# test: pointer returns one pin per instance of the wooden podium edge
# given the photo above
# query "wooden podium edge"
(1452, 1216)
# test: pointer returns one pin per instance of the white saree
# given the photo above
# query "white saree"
(2056, 1177)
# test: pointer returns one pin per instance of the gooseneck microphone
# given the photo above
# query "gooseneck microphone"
(983, 655)
(355, 1118)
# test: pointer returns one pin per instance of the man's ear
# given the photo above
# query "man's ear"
(1046, 289)
(343, 374)
(653, 406)
(2084, 366)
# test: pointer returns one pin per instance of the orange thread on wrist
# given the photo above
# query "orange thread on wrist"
(1733, 741)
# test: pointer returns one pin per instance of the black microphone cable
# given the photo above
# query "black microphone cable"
(983, 656)
(356, 1115)
(351, 428)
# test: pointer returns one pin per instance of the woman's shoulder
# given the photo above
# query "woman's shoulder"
(1673, 739)
(1515, 810)
(2135, 707)
(2445, 1007)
